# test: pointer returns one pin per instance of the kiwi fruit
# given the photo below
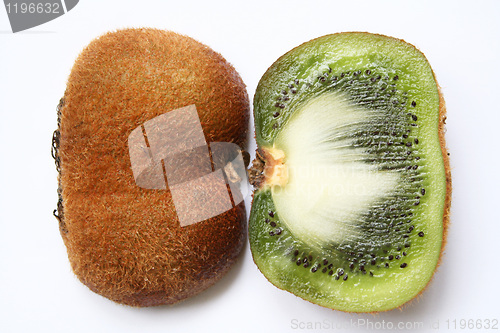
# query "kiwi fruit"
(352, 175)
(124, 241)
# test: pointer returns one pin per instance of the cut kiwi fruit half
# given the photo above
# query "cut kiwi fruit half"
(352, 179)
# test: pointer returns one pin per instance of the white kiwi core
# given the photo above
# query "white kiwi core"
(329, 185)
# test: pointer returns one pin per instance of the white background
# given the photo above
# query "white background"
(38, 291)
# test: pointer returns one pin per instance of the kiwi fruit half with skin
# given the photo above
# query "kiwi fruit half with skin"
(352, 178)
(125, 242)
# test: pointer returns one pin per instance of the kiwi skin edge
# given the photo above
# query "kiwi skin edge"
(447, 202)
(124, 242)
(260, 182)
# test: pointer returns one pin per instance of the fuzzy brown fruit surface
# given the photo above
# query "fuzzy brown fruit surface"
(125, 242)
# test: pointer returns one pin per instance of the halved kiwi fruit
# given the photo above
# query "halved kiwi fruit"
(124, 241)
(352, 176)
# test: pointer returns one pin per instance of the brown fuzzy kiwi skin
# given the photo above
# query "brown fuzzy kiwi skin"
(257, 179)
(125, 242)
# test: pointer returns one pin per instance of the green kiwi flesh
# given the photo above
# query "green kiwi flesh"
(352, 176)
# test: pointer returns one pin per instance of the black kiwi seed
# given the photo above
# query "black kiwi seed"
(403, 265)
(395, 78)
(340, 272)
(330, 266)
(413, 103)
(337, 277)
(314, 269)
(421, 234)
(298, 262)
(271, 213)
(422, 191)
(306, 265)
(278, 231)
(345, 277)
(273, 224)
(305, 259)
(330, 273)
(391, 257)
(271, 233)
(414, 117)
(371, 273)
(267, 220)
(398, 257)
(325, 262)
(324, 270)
